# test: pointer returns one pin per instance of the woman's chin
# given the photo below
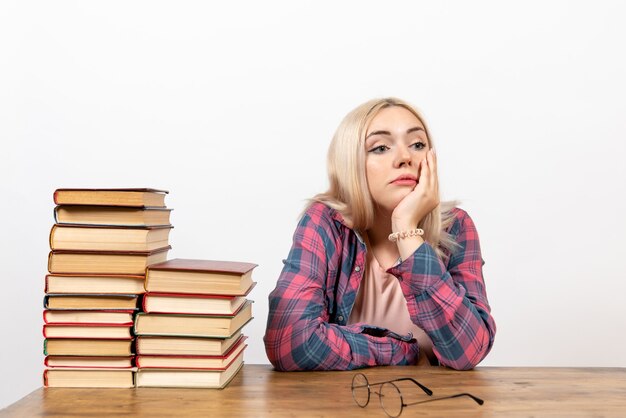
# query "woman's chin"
(391, 201)
(389, 206)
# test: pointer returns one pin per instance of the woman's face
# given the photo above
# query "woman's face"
(395, 144)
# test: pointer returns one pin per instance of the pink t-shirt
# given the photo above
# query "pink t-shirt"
(380, 302)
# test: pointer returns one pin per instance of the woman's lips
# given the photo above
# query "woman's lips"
(404, 182)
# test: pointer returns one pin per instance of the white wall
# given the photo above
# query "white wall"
(231, 106)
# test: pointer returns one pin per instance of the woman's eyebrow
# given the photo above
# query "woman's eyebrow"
(416, 129)
(408, 131)
(378, 133)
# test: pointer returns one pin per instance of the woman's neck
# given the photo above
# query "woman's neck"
(385, 251)
(379, 233)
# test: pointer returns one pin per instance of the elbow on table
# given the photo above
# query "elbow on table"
(280, 367)
(460, 366)
(285, 362)
(309, 352)
(282, 362)
(278, 353)
(465, 362)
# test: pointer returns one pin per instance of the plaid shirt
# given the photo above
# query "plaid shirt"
(310, 306)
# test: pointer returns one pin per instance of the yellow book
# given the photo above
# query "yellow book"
(142, 197)
(185, 378)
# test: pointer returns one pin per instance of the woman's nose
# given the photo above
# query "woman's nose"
(403, 157)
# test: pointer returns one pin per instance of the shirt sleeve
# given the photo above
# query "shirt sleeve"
(450, 303)
(299, 335)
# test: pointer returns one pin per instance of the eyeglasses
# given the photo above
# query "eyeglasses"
(389, 394)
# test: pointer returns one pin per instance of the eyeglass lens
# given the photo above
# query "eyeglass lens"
(360, 390)
(391, 399)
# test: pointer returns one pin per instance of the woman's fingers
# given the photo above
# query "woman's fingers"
(424, 173)
(432, 163)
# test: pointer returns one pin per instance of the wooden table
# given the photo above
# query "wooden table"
(258, 391)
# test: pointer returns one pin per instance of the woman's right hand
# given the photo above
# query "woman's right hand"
(422, 200)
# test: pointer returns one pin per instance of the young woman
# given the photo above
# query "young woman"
(381, 273)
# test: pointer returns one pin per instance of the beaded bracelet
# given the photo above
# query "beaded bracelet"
(395, 236)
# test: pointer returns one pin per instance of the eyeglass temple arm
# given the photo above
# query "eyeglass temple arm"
(424, 388)
(458, 395)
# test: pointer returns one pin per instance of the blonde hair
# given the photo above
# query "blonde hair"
(349, 193)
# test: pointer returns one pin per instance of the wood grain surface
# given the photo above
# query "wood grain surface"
(258, 391)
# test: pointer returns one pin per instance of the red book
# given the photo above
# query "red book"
(189, 378)
(193, 304)
(208, 277)
(184, 325)
(186, 346)
(89, 362)
(191, 362)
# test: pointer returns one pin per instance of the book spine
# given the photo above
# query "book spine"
(51, 237)
(45, 378)
(45, 347)
(50, 262)
(136, 343)
(45, 288)
(54, 214)
(55, 196)
(147, 277)
(135, 324)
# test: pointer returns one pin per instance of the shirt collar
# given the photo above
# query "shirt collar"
(339, 218)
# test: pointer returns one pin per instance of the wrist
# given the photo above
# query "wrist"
(402, 225)
(407, 233)
(407, 246)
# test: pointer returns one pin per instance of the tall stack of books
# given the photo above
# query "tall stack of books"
(190, 331)
(101, 244)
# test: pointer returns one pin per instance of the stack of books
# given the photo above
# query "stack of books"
(189, 333)
(101, 244)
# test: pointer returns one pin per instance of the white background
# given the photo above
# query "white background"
(231, 106)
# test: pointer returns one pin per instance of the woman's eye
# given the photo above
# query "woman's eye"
(419, 146)
(379, 149)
